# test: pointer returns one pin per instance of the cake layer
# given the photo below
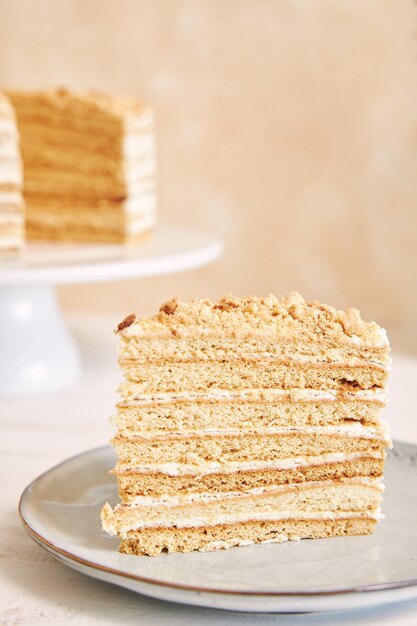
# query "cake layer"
(61, 182)
(200, 451)
(100, 232)
(62, 144)
(351, 429)
(134, 482)
(260, 410)
(214, 467)
(151, 378)
(147, 348)
(153, 541)
(122, 211)
(106, 220)
(82, 164)
(305, 500)
(86, 111)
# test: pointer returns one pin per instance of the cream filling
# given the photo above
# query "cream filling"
(141, 224)
(10, 242)
(238, 518)
(240, 543)
(144, 204)
(10, 197)
(147, 186)
(11, 218)
(136, 146)
(9, 149)
(134, 172)
(206, 497)
(380, 342)
(8, 126)
(10, 174)
(182, 469)
(294, 395)
(349, 430)
(339, 360)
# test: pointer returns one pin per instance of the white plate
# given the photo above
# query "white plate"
(61, 508)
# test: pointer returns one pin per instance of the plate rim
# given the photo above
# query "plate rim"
(91, 565)
(195, 247)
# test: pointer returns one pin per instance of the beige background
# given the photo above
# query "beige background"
(288, 127)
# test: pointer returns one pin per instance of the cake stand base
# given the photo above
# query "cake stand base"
(37, 354)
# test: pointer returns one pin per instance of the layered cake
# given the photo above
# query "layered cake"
(11, 202)
(246, 421)
(89, 165)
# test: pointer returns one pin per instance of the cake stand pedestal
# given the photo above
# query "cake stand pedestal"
(37, 353)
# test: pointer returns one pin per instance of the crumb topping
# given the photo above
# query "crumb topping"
(169, 307)
(290, 317)
(128, 321)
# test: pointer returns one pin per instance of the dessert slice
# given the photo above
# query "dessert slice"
(246, 421)
(89, 165)
(11, 201)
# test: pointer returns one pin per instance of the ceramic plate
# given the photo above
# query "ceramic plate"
(61, 508)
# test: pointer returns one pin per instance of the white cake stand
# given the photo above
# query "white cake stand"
(37, 353)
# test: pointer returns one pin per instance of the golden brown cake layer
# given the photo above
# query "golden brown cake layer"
(134, 483)
(107, 141)
(111, 225)
(147, 348)
(91, 234)
(239, 449)
(171, 377)
(150, 419)
(85, 109)
(153, 541)
(320, 500)
(69, 182)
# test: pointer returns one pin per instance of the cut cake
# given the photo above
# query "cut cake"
(89, 165)
(246, 421)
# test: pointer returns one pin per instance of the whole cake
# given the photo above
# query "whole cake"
(246, 421)
(89, 165)
(11, 202)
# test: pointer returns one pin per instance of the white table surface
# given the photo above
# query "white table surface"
(37, 433)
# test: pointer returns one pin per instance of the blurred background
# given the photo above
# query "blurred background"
(289, 128)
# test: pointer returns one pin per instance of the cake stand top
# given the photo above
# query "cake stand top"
(172, 250)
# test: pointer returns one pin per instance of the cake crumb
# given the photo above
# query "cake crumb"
(169, 307)
(128, 321)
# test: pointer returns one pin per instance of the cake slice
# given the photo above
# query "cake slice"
(246, 421)
(11, 201)
(89, 165)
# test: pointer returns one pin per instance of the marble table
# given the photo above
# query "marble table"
(38, 432)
